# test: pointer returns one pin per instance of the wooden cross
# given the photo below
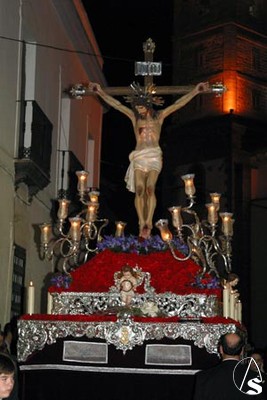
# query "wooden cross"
(148, 69)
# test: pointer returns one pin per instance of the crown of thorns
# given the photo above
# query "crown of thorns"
(143, 96)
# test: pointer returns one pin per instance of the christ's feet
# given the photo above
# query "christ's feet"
(145, 232)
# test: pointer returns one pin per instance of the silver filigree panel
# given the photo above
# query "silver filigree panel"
(124, 334)
(167, 304)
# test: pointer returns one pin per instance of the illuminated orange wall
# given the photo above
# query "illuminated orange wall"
(229, 97)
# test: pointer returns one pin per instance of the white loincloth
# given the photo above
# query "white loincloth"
(146, 160)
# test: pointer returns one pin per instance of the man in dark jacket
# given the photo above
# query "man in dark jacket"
(230, 379)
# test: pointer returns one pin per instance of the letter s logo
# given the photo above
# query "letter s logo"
(253, 383)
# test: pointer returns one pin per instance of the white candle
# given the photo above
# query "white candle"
(226, 298)
(190, 189)
(94, 196)
(82, 180)
(176, 216)
(162, 225)
(239, 311)
(63, 208)
(92, 211)
(30, 298)
(49, 303)
(45, 233)
(212, 213)
(215, 199)
(75, 232)
(232, 304)
(227, 223)
(120, 225)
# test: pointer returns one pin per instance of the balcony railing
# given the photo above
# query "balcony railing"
(32, 166)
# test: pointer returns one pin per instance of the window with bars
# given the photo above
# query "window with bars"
(17, 296)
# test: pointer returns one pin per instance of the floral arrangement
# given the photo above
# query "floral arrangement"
(207, 282)
(167, 274)
(138, 245)
(150, 309)
(60, 280)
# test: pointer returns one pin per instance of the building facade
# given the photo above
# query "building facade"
(222, 139)
(46, 47)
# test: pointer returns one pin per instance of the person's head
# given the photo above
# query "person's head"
(233, 279)
(231, 345)
(127, 271)
(7, 371)
(141, 109)
(143, 99)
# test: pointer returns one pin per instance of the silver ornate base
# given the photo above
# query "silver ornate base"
(124, 333)
(162, 304)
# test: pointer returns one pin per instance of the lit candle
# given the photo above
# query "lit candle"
(226, 300)
(45, 233)
(63, 208)
(94, 196)
(120, 228)
(189, 184)
(30, 298)
(176, 216)
(162, 225)
(92, 211)
(215, 199)
(212, 213)
(75, 226)
(82, 180)
(227, 223)
(49, 303)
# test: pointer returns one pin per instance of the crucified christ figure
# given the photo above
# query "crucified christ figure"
(146, 159)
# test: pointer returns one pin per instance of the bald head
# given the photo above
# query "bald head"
(232, 340)
(231, 345)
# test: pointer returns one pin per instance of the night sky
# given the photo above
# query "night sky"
(120, 29)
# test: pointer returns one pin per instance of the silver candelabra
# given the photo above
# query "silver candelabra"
(206, 240)
(74, 238)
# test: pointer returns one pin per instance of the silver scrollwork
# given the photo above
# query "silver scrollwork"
(124, 334)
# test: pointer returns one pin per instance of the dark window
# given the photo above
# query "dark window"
(17, 299)
(256, 59)
(256, 99)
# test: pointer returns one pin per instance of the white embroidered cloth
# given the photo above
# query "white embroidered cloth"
(146, 160)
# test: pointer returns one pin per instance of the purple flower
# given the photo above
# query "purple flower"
(207, 283)
(61, 280)
(133, 244)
